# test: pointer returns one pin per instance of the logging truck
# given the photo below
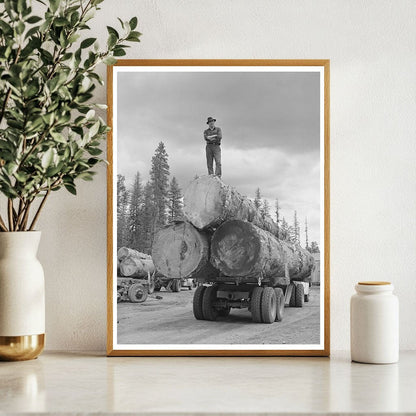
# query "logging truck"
(257, 271)
(136, 275)
(233, 253)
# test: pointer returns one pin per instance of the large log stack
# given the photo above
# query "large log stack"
(224, 232)
(132, 263)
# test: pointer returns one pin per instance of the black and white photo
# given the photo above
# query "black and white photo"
(219, 223)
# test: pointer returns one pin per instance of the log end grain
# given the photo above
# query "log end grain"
(180, 250)
(235, 248)
(203, 201)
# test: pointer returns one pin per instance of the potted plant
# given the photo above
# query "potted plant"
(50, 136)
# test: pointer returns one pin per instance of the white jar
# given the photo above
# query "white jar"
(374, 323)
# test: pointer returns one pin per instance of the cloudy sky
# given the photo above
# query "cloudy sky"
(270, 125)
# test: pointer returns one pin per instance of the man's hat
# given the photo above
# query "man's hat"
(210, 119)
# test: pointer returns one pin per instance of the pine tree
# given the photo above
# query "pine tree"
(264, 208)
(122, 207)
(159, 179)
(257, 199)
(277, 208)
(306, 234)
(284, 229)
(135, 215)
(296, 228)
(175, 204)
(148, 217)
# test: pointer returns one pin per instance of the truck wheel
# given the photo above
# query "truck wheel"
(224, 312)
(137, 293)
(300, 293)
(280, 297)
(268, 305)
(307, 298)
(255, 304)
(208, 310)
(176, 285)
(292, 301)
(197, 303)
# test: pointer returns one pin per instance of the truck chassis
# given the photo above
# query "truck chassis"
(264, 298)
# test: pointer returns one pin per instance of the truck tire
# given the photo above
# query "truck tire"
(197, 303)
(176, 285)
(208, 310)
(300, 293)
(280, 297)
(268, 305)
(255, 304)
(307, 298)
(292, 301)
(137, 293)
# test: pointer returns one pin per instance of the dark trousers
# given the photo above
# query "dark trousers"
(213, 152)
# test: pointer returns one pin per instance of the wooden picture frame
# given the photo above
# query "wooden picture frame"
(322, 67)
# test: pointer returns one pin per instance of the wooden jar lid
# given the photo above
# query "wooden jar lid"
(374, 283)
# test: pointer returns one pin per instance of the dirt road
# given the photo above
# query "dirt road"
(170, 321)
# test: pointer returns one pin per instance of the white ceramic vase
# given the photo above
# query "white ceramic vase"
(374, 323)
(22, 296)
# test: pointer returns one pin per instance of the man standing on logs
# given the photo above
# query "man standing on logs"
(213, 136)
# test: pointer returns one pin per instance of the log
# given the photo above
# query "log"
(208, 202)
(133, 266)
(181, 251)
(125, 252)
(240, 248)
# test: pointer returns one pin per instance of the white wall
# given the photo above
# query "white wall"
(371, 45)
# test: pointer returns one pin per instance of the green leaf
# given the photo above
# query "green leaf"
(112, 40)
(134, 37)
(58, 137)
(133, 23)
(47, 158)
(21, 177)
(7, 29)
(86, 176)
(61, 21)
(73, 38)
(87, 42)
(54, 4)
(94, 151)
(110, 60)
(33, 19)
(111, 30)
(119, 52)
(70, 188)
(94, 129)
(20, 28)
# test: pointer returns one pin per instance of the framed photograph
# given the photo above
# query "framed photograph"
(218, 208)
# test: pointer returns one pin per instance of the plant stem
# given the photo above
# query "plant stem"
(2, 224)
(10, 213)
(38, 211)
(25, 216)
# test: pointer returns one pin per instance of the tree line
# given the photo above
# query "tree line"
(285, 231)
(143, 209)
